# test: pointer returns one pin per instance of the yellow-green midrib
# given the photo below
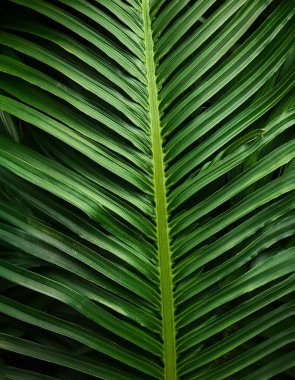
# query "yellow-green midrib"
(160, 192)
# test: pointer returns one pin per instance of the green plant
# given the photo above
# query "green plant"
(147, 189)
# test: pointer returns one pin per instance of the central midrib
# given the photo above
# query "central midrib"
(163, 239)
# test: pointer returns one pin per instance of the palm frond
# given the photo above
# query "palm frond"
(147, 189)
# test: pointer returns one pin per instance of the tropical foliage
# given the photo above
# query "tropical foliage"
(147, 189)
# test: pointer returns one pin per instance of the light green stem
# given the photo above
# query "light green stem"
(163, 238)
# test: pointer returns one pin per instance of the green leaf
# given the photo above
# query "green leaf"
(147, 189)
